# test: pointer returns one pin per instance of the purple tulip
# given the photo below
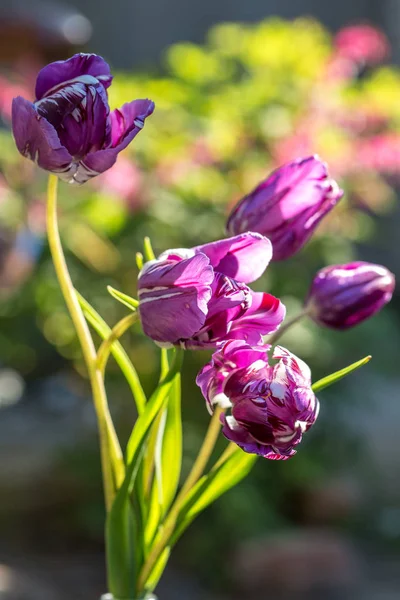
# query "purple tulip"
(270, 406)
(69, 130)
(342, 296)
(288, 205)
(198, 297)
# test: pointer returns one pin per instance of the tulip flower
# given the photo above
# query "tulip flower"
(198, 297)
(69, 130)
(271, 406)
(288, 205)
(342, 296)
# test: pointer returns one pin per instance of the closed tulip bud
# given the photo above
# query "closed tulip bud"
(288, 205)
(342, 296)
(69, 130)
(271, 406)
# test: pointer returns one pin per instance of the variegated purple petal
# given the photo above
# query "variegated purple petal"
(243, 257)
(231, 357)
(264, 316)
(127, 122)
(173, 298)
(299, 370)
(234, 432)
(37, 139)
(80, 113)
(64, 71)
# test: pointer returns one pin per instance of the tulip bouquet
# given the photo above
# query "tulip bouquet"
(260, 396)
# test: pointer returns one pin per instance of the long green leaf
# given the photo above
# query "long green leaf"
(334, 377)
(148, 249)
(117, 351)
(168, 461)
(124, 556)
(211, 486)
(149, 458)
(171, 449)
(123, 298)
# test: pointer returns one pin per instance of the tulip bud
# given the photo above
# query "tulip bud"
(342, 296)
(270, 406)
(69, 130)
(288, 205)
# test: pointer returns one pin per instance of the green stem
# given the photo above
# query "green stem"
(117, 351)
(194, 475)
(227, 453)
(278, 334)
(111, 455)
(117, 331)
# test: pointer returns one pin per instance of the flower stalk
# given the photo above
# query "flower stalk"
(194, 475)
(117, 331)
(111, 454)
(286, 326)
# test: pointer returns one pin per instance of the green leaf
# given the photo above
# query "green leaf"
(139, 260)
(123, 298)
(158, 570)
(117, 350)
(148, 249)
(334, 377)
(122, 540)
(219, 480)
(171, 447)
(167, 457)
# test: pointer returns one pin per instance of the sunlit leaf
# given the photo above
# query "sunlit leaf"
(148, 249)
(123, 298)
(219, 480)
(123, 542)
(167, 457)
(334, 377)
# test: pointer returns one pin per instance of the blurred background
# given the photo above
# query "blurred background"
(239, 89)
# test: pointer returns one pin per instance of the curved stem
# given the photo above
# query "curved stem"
(121, 357)
(278, 334)
(111, 455)
(117, 331)
(194, 475)
(227, 453)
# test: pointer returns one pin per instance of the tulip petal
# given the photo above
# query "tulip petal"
(264, 316)
(127, 122)
(297, 370)
(173, 298)
(63, 71)
(243, 257)
(37, 139)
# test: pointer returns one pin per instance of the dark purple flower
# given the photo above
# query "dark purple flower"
(69, 130)
(288, 205)
(198, 297)
(271, 406)
(342, 296)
